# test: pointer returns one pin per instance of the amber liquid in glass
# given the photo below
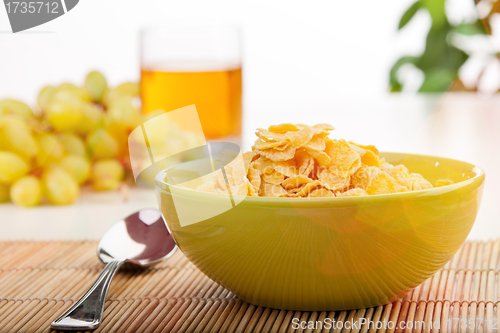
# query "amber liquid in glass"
(216, 92)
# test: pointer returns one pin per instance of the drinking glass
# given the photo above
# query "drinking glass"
(195, 64)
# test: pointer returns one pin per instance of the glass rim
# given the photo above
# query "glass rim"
(226, 33)
(186, 25)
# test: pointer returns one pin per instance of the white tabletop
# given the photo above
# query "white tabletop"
(464, 127)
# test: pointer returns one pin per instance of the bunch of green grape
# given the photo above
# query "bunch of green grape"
(79, 136)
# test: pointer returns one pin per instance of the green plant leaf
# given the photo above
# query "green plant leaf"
(437, 12)
(439, 53)
(396, 87)
(438, 80)
(440, 61)
(470, 29)
(408, 15)
(394, 83)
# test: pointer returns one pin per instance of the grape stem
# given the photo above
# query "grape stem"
(123, 188)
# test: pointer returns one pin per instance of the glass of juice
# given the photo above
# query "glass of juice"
(195, 64)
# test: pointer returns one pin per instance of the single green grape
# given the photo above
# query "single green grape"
(120, 133)
(4, 193)
(96, 85)
(73, 144)
(128, 88)
(106, 174)
(51, 150)
(121, 111)
(45, 96)
(17, 137)
(165, 136)
(92, 117)
(59, 187)
(26, 191)
(12, 106)
(65, 112)
(79, 92)
(77, 166)
(109, 96)
(102, 145)
(12, 167)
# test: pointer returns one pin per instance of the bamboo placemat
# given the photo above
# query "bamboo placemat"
(40, 280)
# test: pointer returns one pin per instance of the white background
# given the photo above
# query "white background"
(294, 51)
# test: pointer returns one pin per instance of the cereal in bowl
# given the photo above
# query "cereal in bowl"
(297, 160)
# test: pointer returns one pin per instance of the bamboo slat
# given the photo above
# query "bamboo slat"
(40, 280)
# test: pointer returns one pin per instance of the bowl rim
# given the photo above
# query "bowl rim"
(479, 176)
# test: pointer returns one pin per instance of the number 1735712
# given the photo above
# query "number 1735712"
(32, 7)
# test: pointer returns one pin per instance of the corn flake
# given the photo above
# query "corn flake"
(240, 189)
(400, 188)
(304, 162)
(220, 180)
(274, 177)
(400, 174)
(227, 156)
(363, 176)
(296, 181)
(270, 136)
(321, 192)
(418, 182)
(263, 164)
(323, 127)
(366, 147)
(251, 190)
(321, 157)
(254, 179)
(288, 168)
(270, 190)
(276, 155)
(282, 147)
(248, 157)
(283, 128)
(321, 130)
(385, 166)
(354, 192)
(300, 138)
(343, 156)
(381, 183)
(304, 190)
(444, 182)
(261, 144)
(333, 181)
(237, 171)
(316, 144)
(368, 157)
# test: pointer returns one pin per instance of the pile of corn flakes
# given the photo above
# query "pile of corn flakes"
(291, 160)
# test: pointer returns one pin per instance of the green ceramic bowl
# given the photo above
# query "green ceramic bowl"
(326, 253)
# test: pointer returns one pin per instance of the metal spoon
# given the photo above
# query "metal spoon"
(141, 239)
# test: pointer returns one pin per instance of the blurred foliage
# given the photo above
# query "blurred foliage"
(441, 60)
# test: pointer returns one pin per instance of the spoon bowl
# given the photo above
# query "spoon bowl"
(141, 239)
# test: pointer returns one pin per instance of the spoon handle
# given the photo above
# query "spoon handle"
(87, 312)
